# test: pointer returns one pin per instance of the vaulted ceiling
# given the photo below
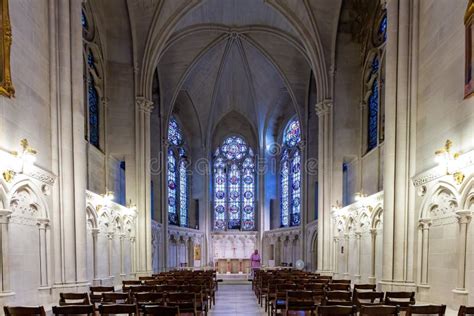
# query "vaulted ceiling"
(234, 56)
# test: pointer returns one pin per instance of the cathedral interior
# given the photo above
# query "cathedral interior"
(153, 140)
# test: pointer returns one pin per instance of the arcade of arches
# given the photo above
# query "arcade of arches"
(151, 135)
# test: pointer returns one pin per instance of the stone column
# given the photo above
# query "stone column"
(43, 255)
(325, 155)
(464, 218)
(133, 256)
(110, 239)
(346, 256)
(164, 253)
(335, 253)
(68, 145)
(399, 145)
(358, 236)
(95, 257)
(144, 107)
(4, 262)
(425, 227)
(373, 242)
(122, 255)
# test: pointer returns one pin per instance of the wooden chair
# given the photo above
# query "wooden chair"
(466, 310)
(115, 309)
(150, 298)
(337, 310)
(96, 292)
(141, 289)
(161, 310)
(426, 310)
(279, 301)
(300, 301)
(368, 298)
(127, 284)
(74, 299)
(379, 310)
(338, 298)
(115, 298)
(73, 310)
(23, 311)
(185, 301)
(365, 287)
(402, 299)
(341, 281)
(338, 287)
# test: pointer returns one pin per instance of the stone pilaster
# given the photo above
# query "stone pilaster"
(4, 249)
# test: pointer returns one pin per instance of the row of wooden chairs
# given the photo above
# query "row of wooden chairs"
(119, 309)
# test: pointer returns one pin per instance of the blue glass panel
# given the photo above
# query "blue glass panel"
(219, 195)
(296, 189)
(172, 215)
(248, 212)
(93, 100)
(183, 194)
(175, 136)
(383, 27)
(84, 20)
(284, 194)
(292, 134)
(372, 122)
(234, 197)
(234, 148)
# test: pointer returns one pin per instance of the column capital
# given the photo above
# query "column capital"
(346, 236)
(5, 216)
(464, 216)
(132, 239)
(425, 223)
(362, 105)
(42, 223)
(358, 234)
(373, 231)
(110, 235)
(95, 231)
(323, 107)
(144, 105)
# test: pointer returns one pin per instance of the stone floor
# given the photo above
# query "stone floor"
(236, 299)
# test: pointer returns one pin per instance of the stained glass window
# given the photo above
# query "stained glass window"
(234, 185)
(178, 191)
(183, 194)
(383, 27)
(290, 176)
(373, 108)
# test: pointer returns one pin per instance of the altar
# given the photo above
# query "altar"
(231, 252)
(233, 265)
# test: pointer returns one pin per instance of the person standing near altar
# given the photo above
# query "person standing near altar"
(254, 262)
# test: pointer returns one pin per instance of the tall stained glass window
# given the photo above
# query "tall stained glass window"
(290, 176)
(234, 185)
(374, 81)
(178, 193)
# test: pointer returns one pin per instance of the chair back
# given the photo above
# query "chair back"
(146, 278)
(23, 310)
(466, 310)
(379, 310)
(141, 289)
(149, 298)
(402, 299)
(368, 298)
(74, 299)
(341, 281)
(115, 309)
(73, 310)
(185, 301)
(129, 283)
(337, 310)
(364, 287)
(96, 292)
(161, 310)
(426, 310)
(115, 298)
(338, 287)
(300, 301)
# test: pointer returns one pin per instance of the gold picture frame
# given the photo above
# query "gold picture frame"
(6, 85)
(469, 51)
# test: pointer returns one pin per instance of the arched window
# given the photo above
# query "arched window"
(178, 192)
(290, 173)
(93, 78)
(234, 185)
(375, 81)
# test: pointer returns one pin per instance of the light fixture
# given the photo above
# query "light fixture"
(336, 206)
(359, 195)
(19, 160)
(448, 160)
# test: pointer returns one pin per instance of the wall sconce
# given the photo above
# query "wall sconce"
(19, 160)
(336, 206)
(131, 206)
(449, 161)
(359, 195)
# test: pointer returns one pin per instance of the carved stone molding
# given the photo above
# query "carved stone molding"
(323, 107)
(144, 105)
